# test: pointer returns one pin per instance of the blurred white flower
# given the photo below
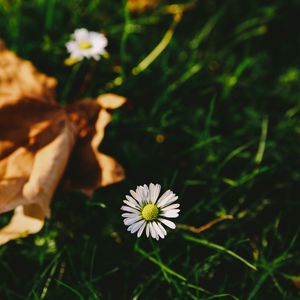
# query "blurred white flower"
(86, 44)
(144, 211)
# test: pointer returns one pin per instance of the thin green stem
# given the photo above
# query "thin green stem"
(160, 264)
(66, 91)
(218, 248)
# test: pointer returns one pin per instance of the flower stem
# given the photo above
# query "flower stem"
(88, 77)
(66, 91)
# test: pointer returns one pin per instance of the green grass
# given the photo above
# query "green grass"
(222, 86)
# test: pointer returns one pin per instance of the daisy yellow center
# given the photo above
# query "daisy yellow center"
(85, 45)
(150, 212)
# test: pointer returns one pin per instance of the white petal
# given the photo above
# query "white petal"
(142, 191)
(130, 204)
(129, 215)
(169, 201)
(132, 200)
(135, 196)
(154, 192)
(129, 209)
(71, 46)
(139, 191)
(170, 207)
(141, 229)
(170, 213)
(151, 190)
(152, 230)
(131, 220)
(162, 228)
(98, 39)
(77, 55)
(96, 57)
(146, 192)
(165, 196)
(157, 191)
(175, 210)
(81, 34)
(168, 223)
(140, 194)
(135, 227)
(147, 230)
(158, 230)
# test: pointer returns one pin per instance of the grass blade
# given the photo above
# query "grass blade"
(160, 264)
(218, 248)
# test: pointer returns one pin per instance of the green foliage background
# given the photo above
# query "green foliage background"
(225, 94)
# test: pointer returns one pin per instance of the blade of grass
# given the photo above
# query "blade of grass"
(150, 58)
(222, 296)
(190, 72)
(199, 145)
(74, 291)
(218, 248)
(234, 153)
(206, 30)
(208, 119)
(195, 287)
(124, 38)
(156, 253)
(162, 45)
(50, 12)
(258, 285)
(262, 142)
(160, 264)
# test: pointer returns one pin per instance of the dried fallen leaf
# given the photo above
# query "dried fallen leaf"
(43, 145)
(139, 6)
(26, 220)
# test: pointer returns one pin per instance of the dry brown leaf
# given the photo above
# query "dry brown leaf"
(89, 171)
(42, 144)
(110, 101)
(139, 6)
(48, 167)
(25, 221)
(19, 79)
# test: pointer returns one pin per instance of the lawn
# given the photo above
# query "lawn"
(212, 113)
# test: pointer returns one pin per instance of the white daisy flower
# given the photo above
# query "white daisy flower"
(89, 44)
(144, 211)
